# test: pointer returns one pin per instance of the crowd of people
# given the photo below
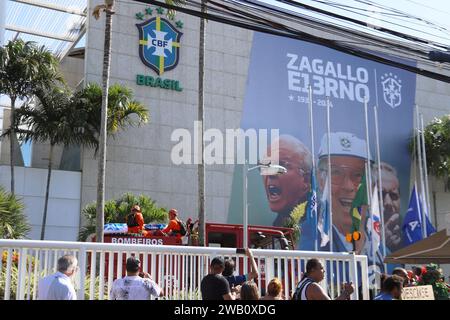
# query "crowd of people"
(221, 283)
(392, 285)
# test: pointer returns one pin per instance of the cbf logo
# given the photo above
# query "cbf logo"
(159, 44)
(392, 87)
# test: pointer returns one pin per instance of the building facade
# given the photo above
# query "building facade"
(139, 160)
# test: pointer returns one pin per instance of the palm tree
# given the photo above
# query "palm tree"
(122, 111)
(201, 118)
(23, 67)
(53, 120)
(108, 8)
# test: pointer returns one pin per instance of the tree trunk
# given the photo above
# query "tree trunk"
(201, 165)
(11, 140)
(47, 191)
(103, 127)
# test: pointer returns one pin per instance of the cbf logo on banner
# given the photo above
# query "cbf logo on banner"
(392, 87)
(159, 44)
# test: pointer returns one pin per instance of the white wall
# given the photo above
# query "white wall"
(63, 206)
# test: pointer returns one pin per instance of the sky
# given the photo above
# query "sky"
(435, 11)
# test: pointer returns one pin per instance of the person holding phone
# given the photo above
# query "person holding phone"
(230, 268)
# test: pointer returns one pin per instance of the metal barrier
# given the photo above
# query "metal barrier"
(177, 269)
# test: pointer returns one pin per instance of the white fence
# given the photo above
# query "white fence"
(178, 269)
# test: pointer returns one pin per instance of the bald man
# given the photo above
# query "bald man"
(391, 205)
(286, 191)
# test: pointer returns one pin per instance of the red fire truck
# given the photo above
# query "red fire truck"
(217, 235)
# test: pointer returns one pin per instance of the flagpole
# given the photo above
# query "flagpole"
(425, 170)
(380, 185)
(330, 201)
(369, 186)
(419, 160)
(313, 153)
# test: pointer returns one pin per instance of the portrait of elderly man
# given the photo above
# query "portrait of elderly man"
(287, 190)
(348, 158)
(391, 205)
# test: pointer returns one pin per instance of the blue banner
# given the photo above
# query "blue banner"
(280, 73)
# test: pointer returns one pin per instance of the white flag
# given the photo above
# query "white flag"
(374, 227)
(324, 218)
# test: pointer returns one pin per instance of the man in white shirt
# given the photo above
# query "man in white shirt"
(134, 287)
(59, 286)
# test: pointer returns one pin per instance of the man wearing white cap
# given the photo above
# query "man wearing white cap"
(348, 156)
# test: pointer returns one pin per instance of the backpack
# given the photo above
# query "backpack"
(131, 220)
(183, 228)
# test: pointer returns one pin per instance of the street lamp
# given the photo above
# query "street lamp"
(265, 170)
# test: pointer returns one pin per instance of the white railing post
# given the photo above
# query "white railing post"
(8, 274)
(101, 286)
(82, 271)
(354, 276)
(178, 269)
(21, 274)
(35, 273)
(269, 267)
(110, 271)
(324, 282)
(93, 275)
(364, 277)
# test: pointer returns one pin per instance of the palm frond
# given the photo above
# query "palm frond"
(116, 210)
(13, 222)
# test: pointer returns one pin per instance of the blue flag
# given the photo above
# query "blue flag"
(412, 224)
(309, 225)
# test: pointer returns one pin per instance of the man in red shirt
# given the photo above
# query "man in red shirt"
(135, 221)
(173, 228)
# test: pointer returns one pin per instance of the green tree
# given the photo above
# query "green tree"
(123, 111)
(13, 222)
(437, 145)
(24, 67)
(52, 120)
(201, 105)
(108, 8)
(117, 210)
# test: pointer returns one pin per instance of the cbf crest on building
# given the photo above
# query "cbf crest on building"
(159, 47)
(159, 44)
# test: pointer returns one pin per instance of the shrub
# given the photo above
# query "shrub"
(437, 144)
(13, 222)
(117, 210)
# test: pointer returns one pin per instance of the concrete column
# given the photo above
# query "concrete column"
(3, 5)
